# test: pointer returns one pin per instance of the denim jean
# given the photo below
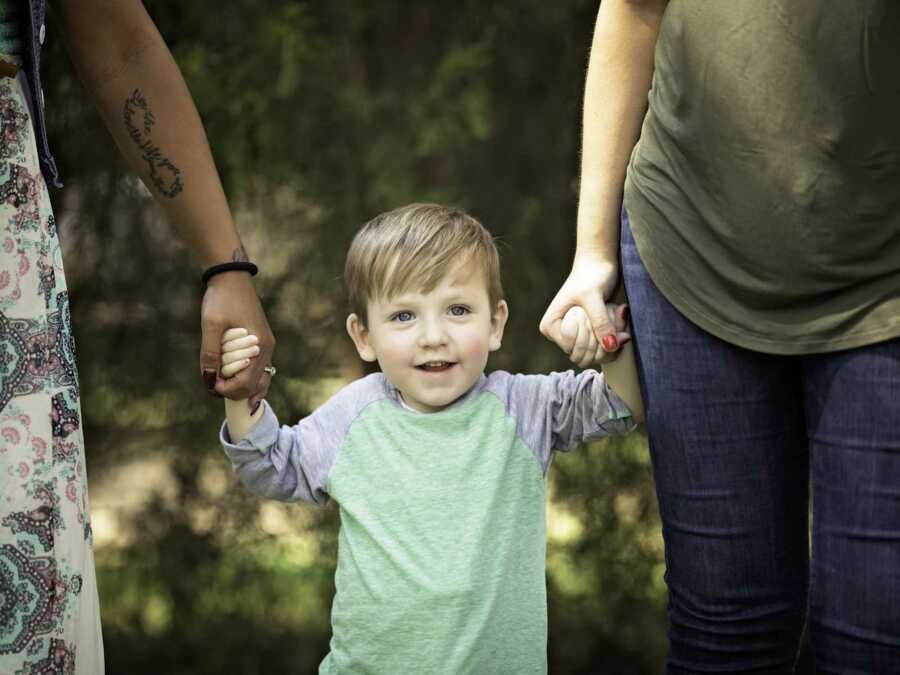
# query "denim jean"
(734, 435)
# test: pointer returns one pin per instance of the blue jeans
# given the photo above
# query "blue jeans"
(733, 436)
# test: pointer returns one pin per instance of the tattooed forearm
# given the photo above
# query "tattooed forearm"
(239, 255)
(166, 177)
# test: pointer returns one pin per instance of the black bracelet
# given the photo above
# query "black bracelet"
(236, 266)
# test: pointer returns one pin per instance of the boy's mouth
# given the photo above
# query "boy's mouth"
(435, 366)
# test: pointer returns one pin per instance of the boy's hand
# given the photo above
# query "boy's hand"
(238, 348)
(583, 347)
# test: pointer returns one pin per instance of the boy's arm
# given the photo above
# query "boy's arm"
(563, 410)
(239, 348)
(282, 462)
(558, 411)
(286, 463)
(239, 418)
(583, 408)
(289, 463)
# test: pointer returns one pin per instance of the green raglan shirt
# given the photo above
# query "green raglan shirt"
(441, 555)
(764, 192)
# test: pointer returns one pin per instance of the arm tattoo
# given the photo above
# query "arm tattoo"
(166, 176)
(239, 255)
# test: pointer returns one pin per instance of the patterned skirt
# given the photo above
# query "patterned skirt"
(49, 613)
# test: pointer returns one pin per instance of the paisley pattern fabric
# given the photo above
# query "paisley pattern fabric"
(49, 613)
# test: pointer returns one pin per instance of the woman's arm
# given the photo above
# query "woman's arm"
(142, 97)
(615, 101)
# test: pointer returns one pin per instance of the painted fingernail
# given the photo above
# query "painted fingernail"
(209, 377)
(610, 343)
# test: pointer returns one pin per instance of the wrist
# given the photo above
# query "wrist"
(241, 421)
(595, 257)
(597, 230)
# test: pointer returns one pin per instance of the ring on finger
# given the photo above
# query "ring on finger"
(270, 370)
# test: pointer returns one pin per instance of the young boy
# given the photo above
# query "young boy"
(439, 470)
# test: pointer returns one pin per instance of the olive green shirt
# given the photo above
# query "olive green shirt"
(764, 192)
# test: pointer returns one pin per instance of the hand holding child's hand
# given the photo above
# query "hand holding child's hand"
(238, 348)
(575, 330)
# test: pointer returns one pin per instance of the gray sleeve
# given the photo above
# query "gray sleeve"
(559, 411)
(292, 463)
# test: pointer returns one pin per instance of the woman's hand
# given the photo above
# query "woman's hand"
(230, 300)
(591, 281)
(586, 348)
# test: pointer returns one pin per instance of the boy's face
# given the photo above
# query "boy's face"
(432, 346)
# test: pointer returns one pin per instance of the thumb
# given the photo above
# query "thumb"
(211, 353)
(600, 322)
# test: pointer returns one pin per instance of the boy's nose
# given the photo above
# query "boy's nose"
(432, 333)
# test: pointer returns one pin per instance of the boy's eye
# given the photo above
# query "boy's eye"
(403, 317)
(459, 310)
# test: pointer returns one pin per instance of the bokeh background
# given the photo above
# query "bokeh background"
(320, 115)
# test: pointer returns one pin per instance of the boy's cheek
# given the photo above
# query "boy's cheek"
(390, 356)
(479, 347)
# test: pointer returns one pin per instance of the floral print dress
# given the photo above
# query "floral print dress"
(49, 612)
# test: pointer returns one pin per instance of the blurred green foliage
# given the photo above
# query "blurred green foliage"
(321, 115)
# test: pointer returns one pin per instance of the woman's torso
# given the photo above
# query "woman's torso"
(764, 192)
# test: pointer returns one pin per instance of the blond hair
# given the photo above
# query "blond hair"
(414, 247)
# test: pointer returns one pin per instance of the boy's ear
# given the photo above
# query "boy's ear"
(498, 323)
(360, 336)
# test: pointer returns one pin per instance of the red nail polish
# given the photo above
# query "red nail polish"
(610, 343)
(209, 378)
